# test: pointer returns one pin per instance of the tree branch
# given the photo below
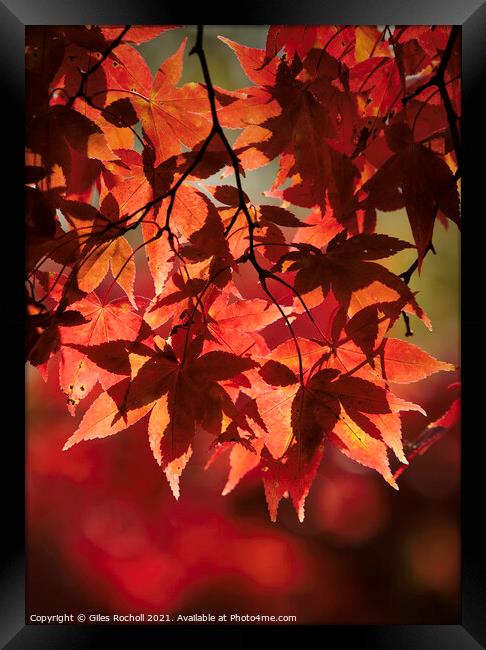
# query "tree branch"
(406, 277)
(438, 80)
(263, 274)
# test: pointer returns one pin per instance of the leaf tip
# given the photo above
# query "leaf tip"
(174, 486)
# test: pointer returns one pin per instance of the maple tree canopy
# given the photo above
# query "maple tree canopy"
(265, 328)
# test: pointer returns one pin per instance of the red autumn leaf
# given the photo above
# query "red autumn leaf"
(64, 133)
(347, 267)
(350, 409)
(234, 323)
(299, 131)
(113, 321)
(242, 461)
(101, 420)
(183, 113)
(184, 393)
(418, 179)
(402, 362)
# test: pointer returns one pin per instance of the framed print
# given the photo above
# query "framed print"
(249, 308)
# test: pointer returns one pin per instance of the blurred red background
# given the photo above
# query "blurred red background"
(105, 534)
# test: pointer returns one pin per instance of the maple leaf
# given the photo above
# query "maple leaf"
(183, 113)
(179, 393)
(276, 389)
(68, 77)
(258, 69)
(348, 411)
(101, 419)
(418, 179)
(127, 76)
(347, 266)
(351, 413)
(227, 194)
(235, 323)
(43, 334)
(302, 130)
(369, 43)
(103, 323)
(358, 413)
(242, 461)
(395, 361)
(324, 228)
(215, 157)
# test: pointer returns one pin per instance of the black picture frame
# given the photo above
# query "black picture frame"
(14, 15)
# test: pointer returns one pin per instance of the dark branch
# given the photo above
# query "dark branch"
(263, 274)
(438, 80)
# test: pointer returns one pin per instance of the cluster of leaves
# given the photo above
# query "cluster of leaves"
(360, 119)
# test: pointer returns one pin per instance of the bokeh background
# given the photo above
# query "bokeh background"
(105, 534)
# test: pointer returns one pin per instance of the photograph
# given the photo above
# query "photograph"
(247, 315)
(243, 324)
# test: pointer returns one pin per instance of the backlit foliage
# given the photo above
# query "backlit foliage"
(360, 120)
